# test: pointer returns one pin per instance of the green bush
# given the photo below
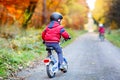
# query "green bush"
(114, 37)
(19, 51)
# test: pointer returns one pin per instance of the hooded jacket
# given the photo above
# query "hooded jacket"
(53, 32)
(102, 30)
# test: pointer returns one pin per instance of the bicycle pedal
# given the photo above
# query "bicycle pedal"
(62, 69)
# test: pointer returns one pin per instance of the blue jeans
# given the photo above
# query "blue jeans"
(58, 50)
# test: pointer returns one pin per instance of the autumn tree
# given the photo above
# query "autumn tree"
(17, 8)
(44, 10)
(114, 14)
(36, 13)
(101, 10)
(107, 12)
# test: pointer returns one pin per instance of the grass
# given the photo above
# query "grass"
(22, 50)
(18, 52)
(114, 37)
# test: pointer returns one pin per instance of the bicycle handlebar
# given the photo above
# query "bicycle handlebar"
(63, 40)
(67, 39)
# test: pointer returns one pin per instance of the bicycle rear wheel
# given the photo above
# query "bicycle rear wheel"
(102, 38)
(50, 73)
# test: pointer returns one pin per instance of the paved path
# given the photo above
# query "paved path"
(89, 59)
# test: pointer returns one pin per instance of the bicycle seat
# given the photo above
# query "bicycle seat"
(49, 48)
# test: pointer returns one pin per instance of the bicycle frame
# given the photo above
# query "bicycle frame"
(52, 64)
(101, 36)
(49, 59)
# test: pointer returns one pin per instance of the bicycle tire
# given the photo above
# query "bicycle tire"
(49, 72)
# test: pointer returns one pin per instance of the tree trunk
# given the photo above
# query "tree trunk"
(44, 12)
(29, 12)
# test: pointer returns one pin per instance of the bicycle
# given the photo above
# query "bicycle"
(101, 36)
(52, 64)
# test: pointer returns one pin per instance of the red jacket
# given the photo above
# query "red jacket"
(53, 32)
(102, 30)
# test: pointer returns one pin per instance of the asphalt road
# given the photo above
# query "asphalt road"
(88, 58)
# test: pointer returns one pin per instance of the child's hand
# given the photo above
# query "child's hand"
(43, 42)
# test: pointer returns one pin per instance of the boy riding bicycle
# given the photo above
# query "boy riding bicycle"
(101, 30)
(52, 34)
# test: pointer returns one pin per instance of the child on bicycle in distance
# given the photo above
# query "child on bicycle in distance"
(52, 34)
(101, 30)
